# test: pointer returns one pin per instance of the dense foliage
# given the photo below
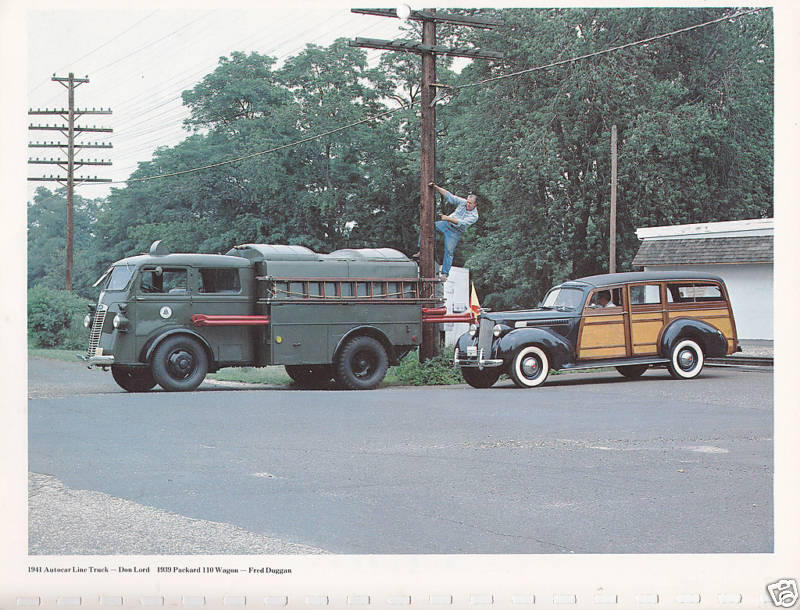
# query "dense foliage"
(55, 318)
(694, 113)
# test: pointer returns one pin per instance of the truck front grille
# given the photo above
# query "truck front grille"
(97, 329)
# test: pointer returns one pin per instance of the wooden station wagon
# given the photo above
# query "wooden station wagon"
(630, 321)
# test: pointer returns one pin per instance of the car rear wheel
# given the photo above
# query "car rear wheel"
(530, 367)
(133, 378)
(180, 364)
(632, 371)
(685, 360)
(480, 378)
(310, 375)
(361, 364)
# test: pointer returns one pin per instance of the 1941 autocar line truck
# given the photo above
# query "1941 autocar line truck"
(169, 319)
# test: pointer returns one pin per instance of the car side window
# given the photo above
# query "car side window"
(693, 293)
(645, 294)
(605, 297)
(163, 281)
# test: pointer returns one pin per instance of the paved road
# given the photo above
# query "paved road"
(589, 463)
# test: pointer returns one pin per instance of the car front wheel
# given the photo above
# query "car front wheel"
(685, 360)
(530, 367)
(180, 364)
(480, 378)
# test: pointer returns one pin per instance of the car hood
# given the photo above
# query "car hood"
(540, 316)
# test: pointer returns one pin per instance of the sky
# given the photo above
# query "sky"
(139, 61)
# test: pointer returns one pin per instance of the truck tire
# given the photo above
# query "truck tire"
(133, 378)
(530, 367)
(310, 375)
(179, 364)
(480, 379)
(361, 364)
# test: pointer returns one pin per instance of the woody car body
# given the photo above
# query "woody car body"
(672, 319)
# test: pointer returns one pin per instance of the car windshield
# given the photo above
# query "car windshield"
(563, 299)
(120, 277)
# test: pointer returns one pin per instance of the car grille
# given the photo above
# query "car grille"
(550, 322)
(97, 329)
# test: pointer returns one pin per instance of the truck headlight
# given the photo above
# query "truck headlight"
(120, 322)
(87, 321)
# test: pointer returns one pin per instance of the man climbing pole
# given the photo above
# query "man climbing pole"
(454, 225)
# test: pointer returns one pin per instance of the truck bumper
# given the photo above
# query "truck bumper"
(103, 361)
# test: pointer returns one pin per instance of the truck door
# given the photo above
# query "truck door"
(162, 300)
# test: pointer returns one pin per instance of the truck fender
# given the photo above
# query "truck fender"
(709, 338)
(558, 349)
(369, 331)
(152, 343)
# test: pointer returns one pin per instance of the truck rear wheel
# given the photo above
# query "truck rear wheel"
(310, 375)
(180, 364)
(133, 378)
(477, 378)
(361, 364)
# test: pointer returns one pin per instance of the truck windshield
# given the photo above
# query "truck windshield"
(563, 298)
(120, 277)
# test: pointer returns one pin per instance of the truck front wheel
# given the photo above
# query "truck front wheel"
(180, 364)
(133, 379)
(361, 364)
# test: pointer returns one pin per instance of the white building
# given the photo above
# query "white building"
(741, 252)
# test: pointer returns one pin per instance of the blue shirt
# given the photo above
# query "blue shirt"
(465, 217)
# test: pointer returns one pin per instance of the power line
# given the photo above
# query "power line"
(463, 86)
(605, 51)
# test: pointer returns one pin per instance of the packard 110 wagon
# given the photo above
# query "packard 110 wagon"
(169, 319)
(630, 321)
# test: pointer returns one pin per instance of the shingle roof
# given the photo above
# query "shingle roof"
(754, 249)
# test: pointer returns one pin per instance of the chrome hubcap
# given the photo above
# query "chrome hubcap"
(686, 359)
(530, 367)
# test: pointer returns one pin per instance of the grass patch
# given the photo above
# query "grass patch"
(65, 355)
(269, 375)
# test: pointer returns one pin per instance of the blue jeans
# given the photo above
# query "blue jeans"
(451, 237)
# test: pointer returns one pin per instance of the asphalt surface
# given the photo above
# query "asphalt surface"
(588, 463)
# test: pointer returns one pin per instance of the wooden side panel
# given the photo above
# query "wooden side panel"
(602, 336)
(645, 328)
(718, 318)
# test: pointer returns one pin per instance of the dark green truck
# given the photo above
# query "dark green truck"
(169, 319)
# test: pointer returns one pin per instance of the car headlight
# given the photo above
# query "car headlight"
(87, 321)
(497, 329)
(473, 328)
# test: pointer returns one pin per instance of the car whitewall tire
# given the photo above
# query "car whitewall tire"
(686, 360)
(530, 367)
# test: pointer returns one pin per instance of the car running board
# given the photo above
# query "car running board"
(595, 364)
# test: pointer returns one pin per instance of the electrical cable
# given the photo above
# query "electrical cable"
(605, 51)
(407, 106)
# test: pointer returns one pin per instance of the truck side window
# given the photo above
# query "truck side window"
(219, 281)
(163, 281)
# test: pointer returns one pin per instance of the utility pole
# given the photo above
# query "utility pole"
(612, 230)
(428, 49)
(70, 130)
